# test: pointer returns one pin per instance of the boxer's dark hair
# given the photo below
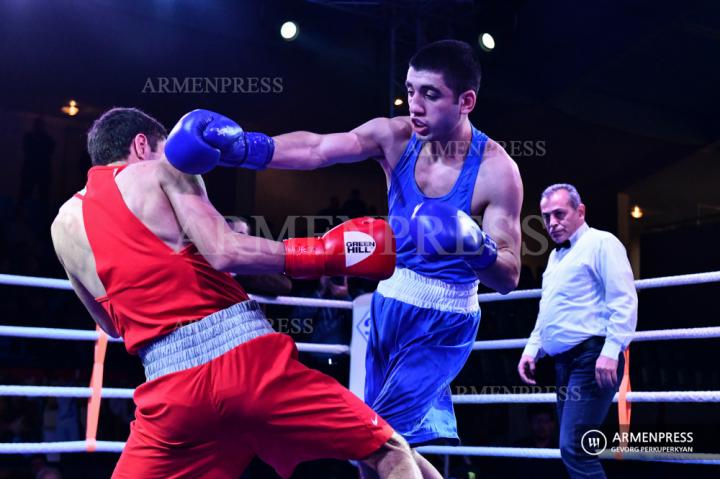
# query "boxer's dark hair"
(455, 60)
(111, 135)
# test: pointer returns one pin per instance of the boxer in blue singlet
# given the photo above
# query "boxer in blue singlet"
(439, 170)
(424, 319)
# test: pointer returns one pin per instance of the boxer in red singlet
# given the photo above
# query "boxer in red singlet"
(149, 256)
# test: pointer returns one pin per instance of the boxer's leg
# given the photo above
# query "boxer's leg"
(291, 413)
(177, 433)
(393, 460)
(413, 355)
(426, 468)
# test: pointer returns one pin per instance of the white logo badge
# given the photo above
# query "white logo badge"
(593, 442)
(358, 246)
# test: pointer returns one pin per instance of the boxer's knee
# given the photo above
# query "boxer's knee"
(395, 450)
(427, 469)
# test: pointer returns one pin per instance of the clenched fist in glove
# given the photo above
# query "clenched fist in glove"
(203, 139)
(362, 247)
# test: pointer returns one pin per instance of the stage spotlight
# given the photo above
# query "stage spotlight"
(289, 31)
(398, 101)
(487, 42)
(637, 212)
(71, 108)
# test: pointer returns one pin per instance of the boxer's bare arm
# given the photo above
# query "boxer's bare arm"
(381, 138)
(224, 249)
(97, 312)
(501, 218)
(70, 247)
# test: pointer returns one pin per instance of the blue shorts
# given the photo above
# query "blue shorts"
(421, 333)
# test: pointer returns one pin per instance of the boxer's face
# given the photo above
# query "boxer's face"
(560, 218)
(159, 151)
(435, 110)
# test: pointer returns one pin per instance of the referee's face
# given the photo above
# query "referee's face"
(560, 218)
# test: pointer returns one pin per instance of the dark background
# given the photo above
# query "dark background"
(618, 98)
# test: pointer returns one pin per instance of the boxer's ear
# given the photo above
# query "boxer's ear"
(140, 147)
(467, 100)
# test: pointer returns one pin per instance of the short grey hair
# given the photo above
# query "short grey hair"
(572, 192)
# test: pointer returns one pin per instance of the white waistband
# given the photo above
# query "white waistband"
(202, 341)
(409, 287)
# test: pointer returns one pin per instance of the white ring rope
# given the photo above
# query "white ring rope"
(632, 396)
(663, 282)
(656, 335)
(542, 453)
(528, 453)
(64, 392)
(683, 333)
(53, 283)
(89, 335)
(636, 396)
(56, 447)
(323, 348)
(308, 302)
(53, 333)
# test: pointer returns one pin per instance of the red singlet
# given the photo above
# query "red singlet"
(150, 289)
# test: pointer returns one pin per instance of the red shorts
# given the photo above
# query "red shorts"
(210, 421)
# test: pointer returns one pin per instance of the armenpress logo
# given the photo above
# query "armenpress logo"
(593, 442)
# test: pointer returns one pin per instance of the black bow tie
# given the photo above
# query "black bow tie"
(564, 244)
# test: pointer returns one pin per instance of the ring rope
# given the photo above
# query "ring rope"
(528, 453)
(543, 453)
(88, 335)
(662, 282)
(61, 446)
(638, 396)
(632, 396)
(54, 283)
(655, 335)
(64, 392)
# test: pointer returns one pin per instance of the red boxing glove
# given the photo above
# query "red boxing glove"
(362, 247)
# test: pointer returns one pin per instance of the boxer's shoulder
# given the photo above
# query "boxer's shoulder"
(172, 179)
(495, 153)
(67, 227)
(148, 177)
(385, 130)
(69, 212)
(393, 135)
(498, 165)
(498, 179)
(400, 128)
(143, 169)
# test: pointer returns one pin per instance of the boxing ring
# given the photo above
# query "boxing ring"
(95, 392)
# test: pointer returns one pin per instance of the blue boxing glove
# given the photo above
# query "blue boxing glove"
(439, 229)
(202, 140)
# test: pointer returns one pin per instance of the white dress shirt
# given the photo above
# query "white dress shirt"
(587, 290)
